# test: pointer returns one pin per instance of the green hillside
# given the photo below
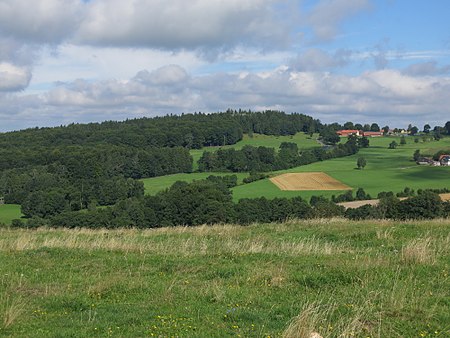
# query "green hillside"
(386, 170)
(336, 277)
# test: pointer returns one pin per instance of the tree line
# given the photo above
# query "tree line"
(262, 159)
(209, 201)
(192, 131)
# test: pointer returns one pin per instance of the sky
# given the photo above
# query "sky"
(78, 61)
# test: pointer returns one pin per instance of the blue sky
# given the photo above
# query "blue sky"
(65, 61)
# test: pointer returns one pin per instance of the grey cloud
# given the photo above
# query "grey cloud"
(380, 58)
(168, 24)
(43, 21)
(178, 24)
(326, 17)
(426, 68)
(315, 59)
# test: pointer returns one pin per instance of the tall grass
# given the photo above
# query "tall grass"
(327, 278)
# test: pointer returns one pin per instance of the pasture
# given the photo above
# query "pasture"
(386, 170)
(302, 140)
(155, 184)
(8, 212)
(335, 277)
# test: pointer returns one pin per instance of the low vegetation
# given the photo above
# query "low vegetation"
(335, 277)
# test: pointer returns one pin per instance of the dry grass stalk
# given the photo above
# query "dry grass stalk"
(385, 234)
(307, 322)
(419, 251)
(12, 309)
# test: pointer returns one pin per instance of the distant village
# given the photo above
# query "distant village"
(444, 160)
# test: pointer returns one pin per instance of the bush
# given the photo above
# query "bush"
(363, 212)
(253, 177)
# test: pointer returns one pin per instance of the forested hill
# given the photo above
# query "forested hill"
(187, 130)
(81, 165)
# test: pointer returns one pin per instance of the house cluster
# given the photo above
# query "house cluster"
(444, 160)
(350, 132)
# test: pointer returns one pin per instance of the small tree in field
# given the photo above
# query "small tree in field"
(361, 162)
(403, 140)
(393, 145)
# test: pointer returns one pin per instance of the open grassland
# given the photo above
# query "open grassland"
(302, 140)
(334, 277)
(156, 184)
(386, 170)
(8, 212)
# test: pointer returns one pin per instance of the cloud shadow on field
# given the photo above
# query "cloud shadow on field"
(427, 173)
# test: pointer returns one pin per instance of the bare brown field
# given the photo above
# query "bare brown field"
(357, 204)
(308, 181)
(445, 197)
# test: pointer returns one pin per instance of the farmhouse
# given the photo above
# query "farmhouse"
(372, 133)
(444, 160)
(348, 132)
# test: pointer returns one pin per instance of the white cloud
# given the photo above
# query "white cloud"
(381, 96)
(13, 78)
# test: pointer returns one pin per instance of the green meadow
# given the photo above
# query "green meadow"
(335, 277)
(386, 170)
(258, 140)
(155, 184)
(8, 212)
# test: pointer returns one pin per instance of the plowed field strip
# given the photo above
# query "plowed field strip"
(308, 181)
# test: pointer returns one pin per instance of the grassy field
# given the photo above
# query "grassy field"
(335, 277)
(8, 212)
(258, 140)
(156, 184)
(386, 170)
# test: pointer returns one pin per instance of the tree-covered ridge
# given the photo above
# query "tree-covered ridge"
(53, 170)
(187, 130)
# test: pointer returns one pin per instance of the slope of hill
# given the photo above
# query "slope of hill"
(335, 277)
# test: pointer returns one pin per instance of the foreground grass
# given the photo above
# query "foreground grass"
(335, 277)
(8, 212)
